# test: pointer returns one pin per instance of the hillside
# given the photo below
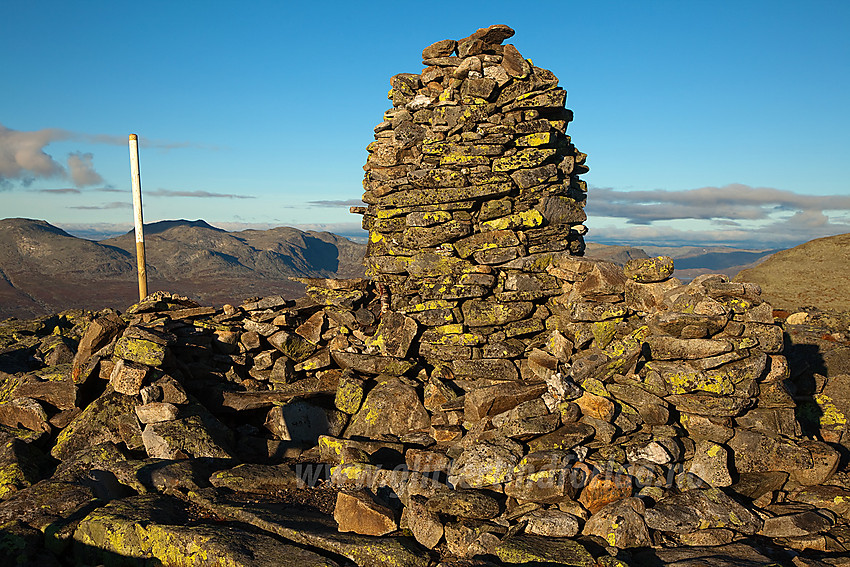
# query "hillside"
(613, 253)
(43, 269)
(813, 274)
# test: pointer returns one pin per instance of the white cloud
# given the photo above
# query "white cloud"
(22, 155)
(23, 158)
(348, 203)
(82, 169)
(730, 202)
(196, 194)
(735, 215)
(105, 206)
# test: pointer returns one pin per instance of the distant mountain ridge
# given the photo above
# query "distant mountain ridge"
(43, 269)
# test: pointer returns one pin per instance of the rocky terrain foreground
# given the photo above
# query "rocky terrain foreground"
(664, 428)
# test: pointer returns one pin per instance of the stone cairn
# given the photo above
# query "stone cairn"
(472, 183)
(489, 397)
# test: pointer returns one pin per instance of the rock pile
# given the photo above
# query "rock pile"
(490, 397)
(654, 419)
(471, 171)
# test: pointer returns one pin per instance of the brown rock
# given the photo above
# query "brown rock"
(424, 524)
(796, 525)
(128, 377)
(359, 512)
(53, 385)
(649, 270)
(563, 438)
(492, 400)
(485, 369)
(551, 523)
(25, 412)
(425, 461)
(605, 488)
(99, 333)
(514, 63)
(595, 406)
(825, 461)
(494, 35)
(156, 412)
(671, 348)
(604, 281)
(442, 48)
(312, 328)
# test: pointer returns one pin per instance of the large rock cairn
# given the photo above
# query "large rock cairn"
(471, 174)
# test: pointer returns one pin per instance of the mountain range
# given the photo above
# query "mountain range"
(43, 269)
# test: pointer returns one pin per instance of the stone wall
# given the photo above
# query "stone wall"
(470, 180)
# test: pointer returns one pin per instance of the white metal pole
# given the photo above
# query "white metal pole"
(137, 209)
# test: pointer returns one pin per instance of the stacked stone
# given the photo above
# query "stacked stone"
(471, 171)
(648, 413)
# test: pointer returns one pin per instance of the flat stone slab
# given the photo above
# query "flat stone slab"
(731, 555)
(153, 527)
(533, 550)
(316, 530)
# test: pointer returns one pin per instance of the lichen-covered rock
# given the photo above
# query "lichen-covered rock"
(292, 345)
(486, 463)
(98, 423)
(701, 509)
(530, 549)
(649, 270)
(390, 407)
(249, 477)
(464, 504)
(710, 463)
(183, 438)
(141, 351)
(394, 335)
(124, 528)
(47, 502)
(620, 524)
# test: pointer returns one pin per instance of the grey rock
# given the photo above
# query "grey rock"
(390, 407)
(620, 524)
(700, 509)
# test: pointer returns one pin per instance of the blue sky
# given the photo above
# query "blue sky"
(704, 122)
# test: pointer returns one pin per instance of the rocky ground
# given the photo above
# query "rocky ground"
(309, 432)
